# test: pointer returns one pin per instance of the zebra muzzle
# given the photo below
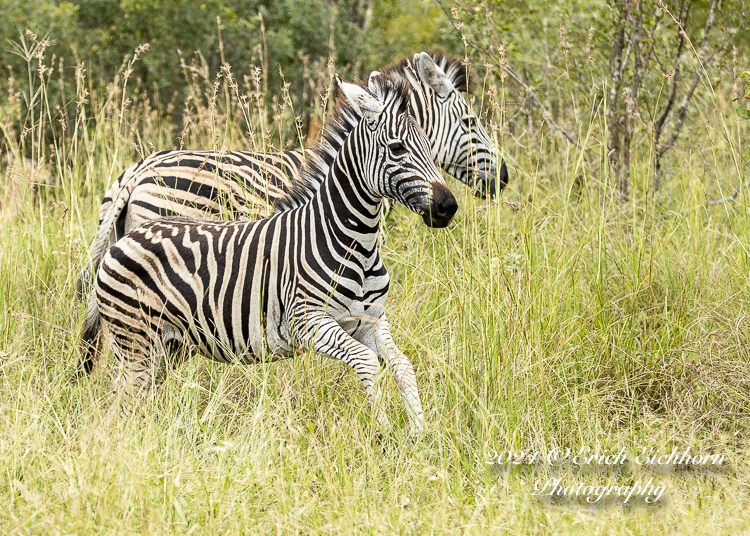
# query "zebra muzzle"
(484, 186)
(487, 183)
(443, 206)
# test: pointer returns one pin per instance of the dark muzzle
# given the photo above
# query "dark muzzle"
(486, 182)
(442, 209)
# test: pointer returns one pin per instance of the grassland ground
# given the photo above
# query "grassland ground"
(558, 317)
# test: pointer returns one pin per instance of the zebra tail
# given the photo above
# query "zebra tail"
(503, 175)
(101, 244)
(83, 282)
(92, 337)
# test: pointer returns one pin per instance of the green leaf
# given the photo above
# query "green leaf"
(743, 113)
(746, 73)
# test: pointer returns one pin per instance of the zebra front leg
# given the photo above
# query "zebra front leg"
(326, 337)
(403, 373)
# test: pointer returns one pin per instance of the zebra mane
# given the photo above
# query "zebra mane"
(393, 91)
(454, 69)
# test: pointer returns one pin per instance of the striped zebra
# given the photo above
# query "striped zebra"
(244, 185)
(308, 277)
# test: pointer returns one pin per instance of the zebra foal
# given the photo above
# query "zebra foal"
(308, 277)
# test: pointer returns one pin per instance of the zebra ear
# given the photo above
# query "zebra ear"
(378, 84)
(363, 102)
(371, 82)
(432, 75)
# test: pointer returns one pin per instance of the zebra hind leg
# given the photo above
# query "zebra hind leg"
(143, 369)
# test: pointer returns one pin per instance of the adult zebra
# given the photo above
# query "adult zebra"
(310, 276)
(244, 185)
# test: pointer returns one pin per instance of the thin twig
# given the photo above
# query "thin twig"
(728, 198)
(704, 61)
(516, 78)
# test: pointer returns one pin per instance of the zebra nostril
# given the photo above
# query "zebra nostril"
(446, 205)
(441, 209)
(449, 206)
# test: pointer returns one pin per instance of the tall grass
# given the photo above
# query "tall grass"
(557, 317)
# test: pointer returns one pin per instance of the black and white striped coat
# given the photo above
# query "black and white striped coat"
(244, 185)
(308, 277)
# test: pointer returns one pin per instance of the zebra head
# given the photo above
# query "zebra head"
(459, 143)
(397, 151)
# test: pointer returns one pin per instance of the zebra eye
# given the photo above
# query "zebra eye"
(397, 148)
(468, 120)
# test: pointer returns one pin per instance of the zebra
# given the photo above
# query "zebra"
(308, 277)
(245, 185)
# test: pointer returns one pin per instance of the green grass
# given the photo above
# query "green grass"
(577, 320)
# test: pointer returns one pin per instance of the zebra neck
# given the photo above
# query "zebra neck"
(350, 213)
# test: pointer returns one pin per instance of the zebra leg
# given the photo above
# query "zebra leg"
(143, 369)
(403, 373)
(326, 337)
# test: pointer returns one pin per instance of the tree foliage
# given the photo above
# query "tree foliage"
(286, 34)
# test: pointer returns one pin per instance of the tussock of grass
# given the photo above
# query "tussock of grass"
(577, 320)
